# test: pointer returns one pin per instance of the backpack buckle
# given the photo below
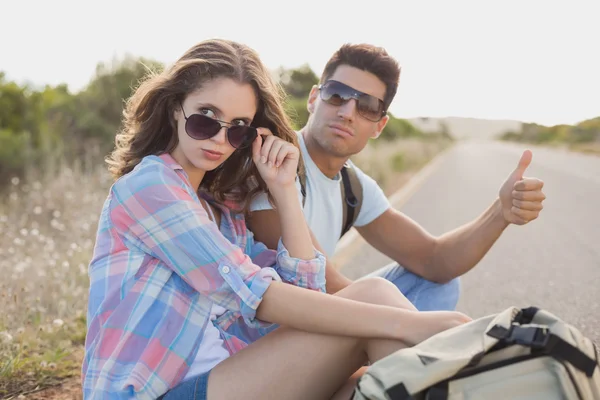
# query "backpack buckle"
(352, 201)
(535, 337)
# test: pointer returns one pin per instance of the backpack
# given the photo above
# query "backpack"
(351, 199)
(516, 354)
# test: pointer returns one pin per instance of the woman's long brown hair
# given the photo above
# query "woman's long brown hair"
(149, 127)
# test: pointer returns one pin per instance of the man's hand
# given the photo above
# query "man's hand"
(521, 197)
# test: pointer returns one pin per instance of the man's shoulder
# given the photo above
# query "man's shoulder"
(363, 177)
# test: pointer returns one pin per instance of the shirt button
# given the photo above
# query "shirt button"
(226, 269)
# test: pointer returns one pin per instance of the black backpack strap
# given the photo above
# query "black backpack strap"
(526, 315)
(398, 392)
(540, 340)
(302, 178)
(352, 197)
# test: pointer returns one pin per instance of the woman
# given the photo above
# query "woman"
(175, 271)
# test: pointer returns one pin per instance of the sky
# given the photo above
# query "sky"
(528, 60)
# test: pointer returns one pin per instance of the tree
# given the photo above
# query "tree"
(104, 97)
(399, 128)
(297, 82)
(51, 123)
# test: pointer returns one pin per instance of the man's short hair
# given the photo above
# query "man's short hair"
(368, 58)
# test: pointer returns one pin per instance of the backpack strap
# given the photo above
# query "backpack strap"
(302, 179)
(541, 340)
(351, 199)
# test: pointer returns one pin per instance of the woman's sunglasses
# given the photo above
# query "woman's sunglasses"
(201, 127)
(336, 93)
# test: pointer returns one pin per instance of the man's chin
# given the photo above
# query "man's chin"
(338, 148)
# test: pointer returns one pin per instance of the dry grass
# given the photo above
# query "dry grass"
(392, 163)
(589, 148)
(47, 233)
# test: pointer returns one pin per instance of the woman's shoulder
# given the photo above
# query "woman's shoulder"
(163, 163)
(152, 170)
(229, 207)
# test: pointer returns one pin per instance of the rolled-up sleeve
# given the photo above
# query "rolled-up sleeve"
(309, 274)
(154, 211)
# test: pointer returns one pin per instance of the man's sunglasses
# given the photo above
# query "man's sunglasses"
(202, 127)
(336, 93)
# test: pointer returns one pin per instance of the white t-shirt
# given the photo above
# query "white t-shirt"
(212, 348)
(323, 207)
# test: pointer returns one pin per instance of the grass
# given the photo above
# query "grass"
(392, 163)
(592, 148)
(40, 358)
(589, 148)
(47, 231)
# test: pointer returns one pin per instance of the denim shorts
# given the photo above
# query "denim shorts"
(192, 389)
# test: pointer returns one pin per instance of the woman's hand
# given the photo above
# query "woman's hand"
(275, 159)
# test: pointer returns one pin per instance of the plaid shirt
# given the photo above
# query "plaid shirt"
(159, 265)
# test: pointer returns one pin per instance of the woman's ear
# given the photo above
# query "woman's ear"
(176, 112)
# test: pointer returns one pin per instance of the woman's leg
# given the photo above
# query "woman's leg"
(346, 391)
(291, 364)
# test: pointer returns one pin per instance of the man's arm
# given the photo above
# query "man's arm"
(266, 228)
(443, 258)
(438, 259)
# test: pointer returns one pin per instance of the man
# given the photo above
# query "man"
(346, 110)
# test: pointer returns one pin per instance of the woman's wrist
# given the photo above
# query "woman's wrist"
(406, 321)
(284, 195)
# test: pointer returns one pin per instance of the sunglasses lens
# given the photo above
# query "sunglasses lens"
(370, 107)
(201, 127)
(334, 93)
(241, 136)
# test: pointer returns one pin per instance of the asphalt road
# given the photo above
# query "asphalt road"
(553, 262)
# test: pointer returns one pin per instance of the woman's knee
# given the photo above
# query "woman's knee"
(377, 290)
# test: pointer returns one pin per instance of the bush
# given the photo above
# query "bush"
(13, 154)
(398, 162)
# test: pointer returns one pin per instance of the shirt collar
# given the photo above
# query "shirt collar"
(170, 161)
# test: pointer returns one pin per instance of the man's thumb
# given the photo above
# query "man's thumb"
(524, 163)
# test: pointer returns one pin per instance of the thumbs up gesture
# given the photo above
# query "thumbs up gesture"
(521, 197)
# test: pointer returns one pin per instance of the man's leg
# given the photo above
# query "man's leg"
(424, 294)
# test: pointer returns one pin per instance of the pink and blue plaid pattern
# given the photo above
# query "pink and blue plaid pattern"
(158, 266)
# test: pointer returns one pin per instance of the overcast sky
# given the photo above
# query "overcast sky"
(535, 61)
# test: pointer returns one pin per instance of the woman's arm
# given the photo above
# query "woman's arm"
(316, 312)
(308, 274)
(277, 163)
(311, 311)
(294, 230)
